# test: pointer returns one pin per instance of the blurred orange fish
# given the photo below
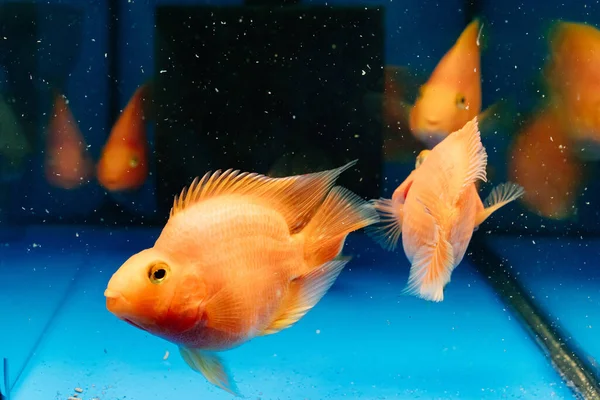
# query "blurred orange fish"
(542, 162)
(67, 161)
(452, 95)
(390, 108)
(242, 255)
(573, 75)
(437, 208)
(123, 165)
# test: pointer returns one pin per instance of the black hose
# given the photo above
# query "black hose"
(568, 359)
(6, 387)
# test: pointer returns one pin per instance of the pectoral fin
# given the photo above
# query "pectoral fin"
(498, 117)
(304, 293)
(387, 232)
(500, 196)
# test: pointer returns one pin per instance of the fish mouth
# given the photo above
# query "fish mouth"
(115, 301)
(117, 304)
(432, 122)
(111, 294)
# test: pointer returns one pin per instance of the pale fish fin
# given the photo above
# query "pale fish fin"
(431, 269)
(500, 196)
(433, 263)
(304, 293)
(296, 198)
(342, 212)
(489, 113)
(387, 232)
(471, 160)
(476, 154)
(497, 118)
(210, 365)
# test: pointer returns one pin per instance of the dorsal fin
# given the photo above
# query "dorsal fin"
(462, 153)
(296, 197)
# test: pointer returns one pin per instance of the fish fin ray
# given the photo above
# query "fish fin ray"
(225, 311)
(304, 293)
(296, 197)
(433, 263)
(340, 213)
(475, 168)
(211, 366)
(431, 269)
(500, 196)
(389, 229)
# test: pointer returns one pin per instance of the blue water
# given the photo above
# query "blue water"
(363, 340)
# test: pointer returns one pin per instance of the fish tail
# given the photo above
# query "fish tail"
(342, 212)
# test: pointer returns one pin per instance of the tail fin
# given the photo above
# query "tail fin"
(342, 212)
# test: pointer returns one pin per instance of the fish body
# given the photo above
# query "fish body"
(573, 77)
(451, 97)
(242, 255)
(541, 159)
(437, 208)
(68, 163)
(123, 164)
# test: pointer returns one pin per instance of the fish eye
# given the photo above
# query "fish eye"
(158, 272)
(134, 162)
(460, 101)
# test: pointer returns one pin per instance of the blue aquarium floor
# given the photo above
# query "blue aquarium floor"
(363, 340)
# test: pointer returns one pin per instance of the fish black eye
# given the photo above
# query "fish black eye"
(460, 100)
(158, 272)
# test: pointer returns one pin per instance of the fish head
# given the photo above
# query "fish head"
(155, 294)
(438, 111)
(122, 167)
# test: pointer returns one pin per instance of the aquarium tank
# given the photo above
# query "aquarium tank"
(286, 199)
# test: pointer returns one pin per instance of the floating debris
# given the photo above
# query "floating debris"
(166, 355)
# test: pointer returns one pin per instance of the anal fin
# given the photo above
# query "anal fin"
(211, 366)
(304, 293)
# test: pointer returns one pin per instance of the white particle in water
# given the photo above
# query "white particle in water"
(318, 331)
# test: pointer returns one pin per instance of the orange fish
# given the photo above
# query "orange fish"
(437, 208)
(452, 95)
(123, 165)
(542, 162)
(242, 255)
(67, 161)
(573, 76)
